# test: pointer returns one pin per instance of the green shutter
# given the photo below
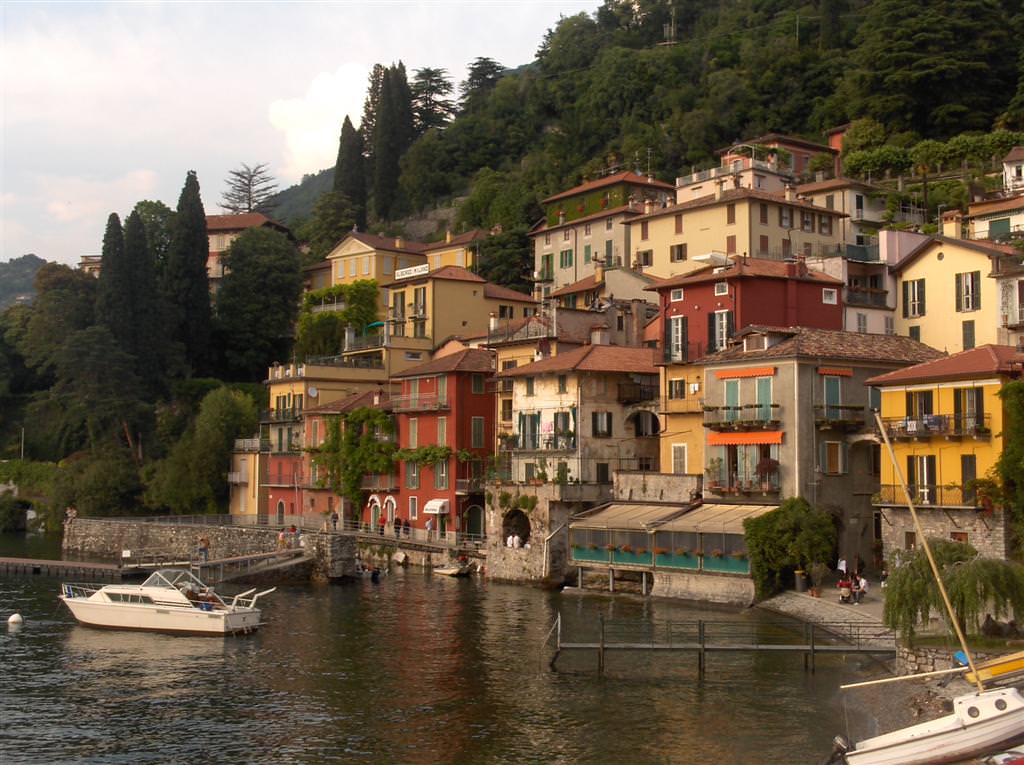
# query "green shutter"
(959, 292)
(921, 285)
(976, 278)
(711, 333)
(906, 300)
(730, 324)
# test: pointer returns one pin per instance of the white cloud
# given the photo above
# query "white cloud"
(311, 123)
(71, 199)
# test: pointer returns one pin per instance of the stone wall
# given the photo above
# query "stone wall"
(548, 515)
(986, 532)
(708, 588)
(912, 661)
(657, 487)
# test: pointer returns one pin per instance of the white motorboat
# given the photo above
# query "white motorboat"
(455, 569)
(980, 724)
(170, 600)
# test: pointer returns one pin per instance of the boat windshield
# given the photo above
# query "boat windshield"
(175, 578)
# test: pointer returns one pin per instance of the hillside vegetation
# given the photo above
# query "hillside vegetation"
(16, 278)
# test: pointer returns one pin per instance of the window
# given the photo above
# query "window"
(441, 475)
(644, 230)
(412, 475)
(601, 424)
(413, 432)
(531, 471)
(762, 245)
(909, 540)
(679, 459)
(677, 252)
(506, 312)
(562, 383)
(830, 201)
(787, 247)
(914, 333)
(833, 457)
(386, 268)
(586, 230)
(506, 410)
(807, 221)
(565, 259)
(890, 325)
(913, 298)
(352, 267)
(833, 396)
(730, 244)
(547, 238)
(414, 505)
(645, 257)
(586, 252)
(676, 295)
(565, 235)
(529, 386)
(676, 341)
(730, 213)
(958, 536)
(764, 213)
(676, 389)
(968, 474)
(968, 291)
(825, 224)
(786, 217)
(679, 223)
(830, 296)
(366, 265)
(719, 331)
(968, 334)
(862, 322)
(721, 288)
(604, 475)
(442, 431)
(478, 383)
(608, 224)
(608, 252)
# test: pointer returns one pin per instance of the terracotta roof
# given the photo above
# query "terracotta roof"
(834, 183)
(1016, 153)
(746, 267)
(468, 360)
(498, 292)
(983, 361)
(542, 225)
(386, 242)
(590, 282)
(358, 401)
(996, 205)
(781, 138)
(591, 358)
(239, 222)
(985, 248)
(611, 180)
(732, 195)
(458, 240)
(832, 344)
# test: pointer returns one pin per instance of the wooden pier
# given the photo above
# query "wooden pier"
(64, 569)
(705, 637)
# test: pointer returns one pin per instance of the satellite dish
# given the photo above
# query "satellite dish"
(313, 392)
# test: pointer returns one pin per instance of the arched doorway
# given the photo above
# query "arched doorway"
(475, 521)
(375, 511)
(644, 423)
(280, 512)
(389, 508)
(515, 523)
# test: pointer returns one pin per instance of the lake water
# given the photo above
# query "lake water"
(415, 669)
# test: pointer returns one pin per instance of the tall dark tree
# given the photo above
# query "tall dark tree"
(507, 259)
(250, 188)
(146, 342)
(1013, 117)
(332, 218)
(432, 108)
(831, 24)
(256, 322)
(185, 284)
(114, 300)
(481, 78)
(349, 176)
(158, 219)
(393, 135)
(371, 107)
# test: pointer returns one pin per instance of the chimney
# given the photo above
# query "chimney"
(790, 192)
(599, 334)
(398, 243)
(636, 335)
(448, 236)
(719, 183)
(648, 207)
(952, 224)
(493, 325)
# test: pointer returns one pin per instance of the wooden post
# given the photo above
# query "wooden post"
(700, 649)
(643, 582)
(611, 580)
(579, 577)
(806, 640)
(600, 647)
(812, 648)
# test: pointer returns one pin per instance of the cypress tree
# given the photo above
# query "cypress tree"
(186, 287)
(394, 131)
(147, 338)
(349, 178)
(114, 292)
(368, 124)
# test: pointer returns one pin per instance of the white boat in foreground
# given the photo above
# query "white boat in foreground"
(981, 723)
(455, 570)
(170, 600)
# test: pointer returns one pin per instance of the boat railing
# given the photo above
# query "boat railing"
(248, 599)
(79, 590)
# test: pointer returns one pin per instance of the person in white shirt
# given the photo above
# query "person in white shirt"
(508, 542)
(517, 541)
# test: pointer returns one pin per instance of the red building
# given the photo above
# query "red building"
(446, 403)
(701, 310)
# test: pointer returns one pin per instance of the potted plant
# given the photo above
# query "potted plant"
(738, 554)
(766, 468)
(541, 476)
(682, 552)
(818, 571)
(641, 551)
(660, 551)
(716, 553)
(714, 472)
(626, 548)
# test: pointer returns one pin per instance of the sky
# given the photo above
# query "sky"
(105, 104)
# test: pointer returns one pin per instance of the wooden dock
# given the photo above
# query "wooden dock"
(63, 569)
(705, 637)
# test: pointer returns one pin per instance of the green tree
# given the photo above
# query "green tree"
(795, 535)
(158, 219)
(351, 449)
(322, 333)
(185, 284)
(192, 479)
(863, 134)
(1010, 465)
(976, 585)
(250, 188)
(106, 483)
(371, 108)
(144, 338)
(255, 322)
(393, 135)
(349, 175)
(1013, 117)
(481, 78)
(332, 219)
(431, 106)
(831, 24)
(114, 293)
(507, 259)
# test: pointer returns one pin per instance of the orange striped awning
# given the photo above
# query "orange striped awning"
(836, 371)
(741, 439)
(727, 374)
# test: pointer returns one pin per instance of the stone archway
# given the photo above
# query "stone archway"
(375, 509)
(280, 512)
(475, 522)
(515, 522)
(644, 423)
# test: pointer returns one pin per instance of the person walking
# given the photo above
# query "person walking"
(430, 528)
(204, 549)
(334, 520)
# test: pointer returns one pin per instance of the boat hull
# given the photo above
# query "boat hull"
(185, 621)
(980, 724)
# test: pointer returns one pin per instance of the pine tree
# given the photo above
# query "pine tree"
(431, 106)
(185, 286)
(481, 78)
(114, 299)
(250, 189)
(349, 178)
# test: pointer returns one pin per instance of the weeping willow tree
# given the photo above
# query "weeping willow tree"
(976, 586)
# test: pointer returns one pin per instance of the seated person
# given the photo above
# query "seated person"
(845, 586)
(861, 589)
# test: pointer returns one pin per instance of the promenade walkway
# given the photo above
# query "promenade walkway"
(827, 610)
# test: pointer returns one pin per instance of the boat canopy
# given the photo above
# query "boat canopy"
(175, 578)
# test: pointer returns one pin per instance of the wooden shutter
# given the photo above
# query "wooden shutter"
(730, 324)
(920, 295)
(976, 291)
(712, 320)
(906, 299)
(911, 473)
(959, 292)
(593, 424)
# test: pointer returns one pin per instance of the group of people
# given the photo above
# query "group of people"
(852, 585)
(516, 542)
(290, 537)
(401, 528)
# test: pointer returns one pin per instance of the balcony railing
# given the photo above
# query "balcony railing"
(356, 362)
(948, 425)
(534, 442)
(365, 343)
(745, 417)
(281, 415)
(635, 393)
(1015, 319)
(237, 477)
(418, 403)
(767, 484)
(842, 417)
(866, 296)
(506, 331)
(252, 445)
(468, 485)
(379, 482)
(928, 495)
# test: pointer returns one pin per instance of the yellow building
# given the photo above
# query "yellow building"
(455, 250)
(945, 421)
(944, 298)
(682, 433)
(681, 238)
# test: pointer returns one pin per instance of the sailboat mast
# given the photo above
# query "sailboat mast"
(928, 552)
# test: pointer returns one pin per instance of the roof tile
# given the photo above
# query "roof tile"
(983, 361)
(591, 358)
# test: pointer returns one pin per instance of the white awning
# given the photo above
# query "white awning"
(436, 507)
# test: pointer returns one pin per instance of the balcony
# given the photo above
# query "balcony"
(379, 482)
(355, 362)
(533, 442)
(745, 417)
(927, 495)
(237, 477)
(1015, 320)
(508, 331)
(767, 485)
(839, 417)
(280, 415)
(365, 343)
(252, 444)
(468, 485)
(636, 393)
(418, 403)
(867, 296)
(952, 427)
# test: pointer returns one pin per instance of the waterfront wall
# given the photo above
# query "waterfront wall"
(634, 486)
(547, 509)
(986, 532)
(707, 588)
(333, 555)
(914, 660)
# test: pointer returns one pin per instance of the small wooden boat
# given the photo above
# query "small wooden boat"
(455, 570)
(170, 600)
(993, 669)
(980, 724)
